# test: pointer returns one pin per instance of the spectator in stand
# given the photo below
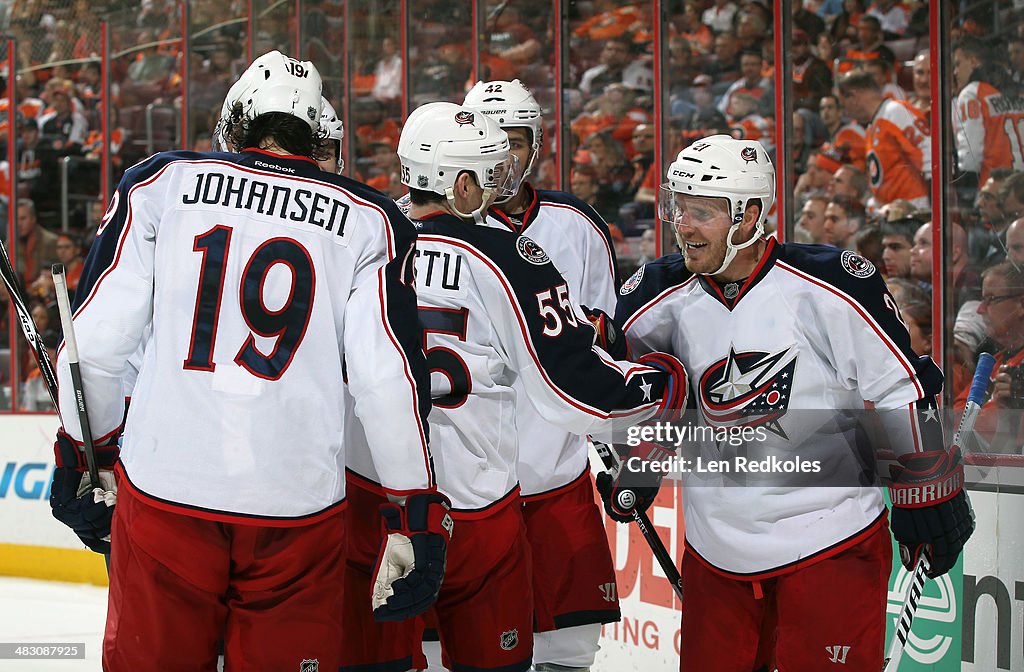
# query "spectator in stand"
(38, 246)
(387, 81)
(689, 26)
(810, 23)
(893, 17)
(916, 312)
(724, 65)
(966, 281)
(898, 141)
(1002, 307)
(897, 240)
(845, 135)
(646, 175)
(1015, 57)
(844, 27)
(868, 243)
(703, 101)
(616, 56)
(870, 43)
(28, 155)
(812, 220)
(989, 111)
(682, 65)
(843, 218)
(750, 82)
(647, 249)
(720, 15)
(987, 233)
(584, 185)
(89, 87)
(817, 179)
(609, 162)
(883, 75)
(373, 126)
(614, 111)
(1015, 243)
(849, 182)
(752, 26)
(747, 123)
(811, 77)
(921, 71)
(63, 131)
(69, 253)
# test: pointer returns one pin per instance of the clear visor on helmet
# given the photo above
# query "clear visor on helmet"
(505, 177)
(677, 208)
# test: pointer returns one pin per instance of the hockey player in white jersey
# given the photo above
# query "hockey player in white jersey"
(494, 309)
(258, 275)
(571, 571)
(770, 331)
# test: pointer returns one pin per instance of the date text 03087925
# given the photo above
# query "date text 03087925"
(39, 650)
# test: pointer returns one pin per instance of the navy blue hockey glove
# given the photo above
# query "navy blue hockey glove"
(411, 564)
(677, 386)
(636, 484)
(930, 508)
(85, 507)
(609, 337)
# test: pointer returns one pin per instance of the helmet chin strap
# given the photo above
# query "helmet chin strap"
(478, 214)
(731, 248)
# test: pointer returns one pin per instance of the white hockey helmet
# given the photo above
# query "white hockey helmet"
(272, 83)
(441, 140)
(511, 105)
(720, 166)
(333, 129)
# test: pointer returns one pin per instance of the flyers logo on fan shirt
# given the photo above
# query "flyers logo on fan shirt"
(749, 389)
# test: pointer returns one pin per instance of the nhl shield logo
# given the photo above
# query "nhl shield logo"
(531, 251)
(856, 265)
(311, 113)
(309, 665)
(463, 118)
(509, 639)
(748, 154)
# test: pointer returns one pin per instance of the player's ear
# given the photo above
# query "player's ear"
(464, 184)
(751, 214)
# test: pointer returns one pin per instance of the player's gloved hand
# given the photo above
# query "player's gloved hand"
(85, 507)
(677, 387)
(411, 564)
(609, 337)
(930, 508)
(635, 485)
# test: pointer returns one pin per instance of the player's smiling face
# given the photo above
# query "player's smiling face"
(701, 227)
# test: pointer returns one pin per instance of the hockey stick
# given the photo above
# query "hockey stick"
(71, 345)
(979, 386)
(642, 521)
(28, 326)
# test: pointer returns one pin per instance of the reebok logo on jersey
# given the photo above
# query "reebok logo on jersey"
(283, 169)
(749, 389)
(856, 265)
(531, 251)
(837, 653)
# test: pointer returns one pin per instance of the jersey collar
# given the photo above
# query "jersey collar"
(519, 223)
(279, 157)
(730, 294)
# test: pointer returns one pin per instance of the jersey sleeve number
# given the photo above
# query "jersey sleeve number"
(286, 324)
(556, 310)
(447, 362)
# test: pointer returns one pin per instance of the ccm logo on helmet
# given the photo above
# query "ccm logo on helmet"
(463, 118)
(680, 173)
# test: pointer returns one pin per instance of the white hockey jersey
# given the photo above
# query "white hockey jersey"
(808, 339)
(257, 274)
(580, 246)
(494, 309)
